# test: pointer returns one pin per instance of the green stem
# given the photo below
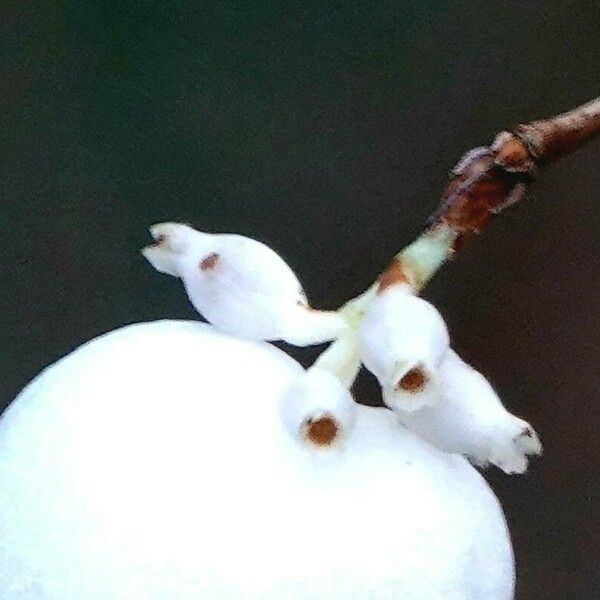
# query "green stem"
(421, 259)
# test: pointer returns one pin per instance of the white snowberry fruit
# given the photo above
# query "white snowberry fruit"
(139, 468)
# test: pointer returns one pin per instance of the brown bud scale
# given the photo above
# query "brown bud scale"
(395, 274)
(488, 179)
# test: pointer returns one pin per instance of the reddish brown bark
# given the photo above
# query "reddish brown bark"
(488, 179)
(395, 274)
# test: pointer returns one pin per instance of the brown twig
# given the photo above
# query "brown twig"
(488, 179)
(484, 182)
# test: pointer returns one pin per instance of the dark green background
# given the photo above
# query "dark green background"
(325, 130)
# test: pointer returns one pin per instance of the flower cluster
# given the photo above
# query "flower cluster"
(243, 288)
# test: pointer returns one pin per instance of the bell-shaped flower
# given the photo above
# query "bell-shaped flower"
(470, 419)
(318, 410)
(403, 341)
(240, 286)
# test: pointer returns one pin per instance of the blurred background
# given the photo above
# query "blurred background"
(325, 129)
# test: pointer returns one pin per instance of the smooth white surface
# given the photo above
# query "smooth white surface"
(152, 464)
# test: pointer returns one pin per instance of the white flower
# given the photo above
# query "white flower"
(240, 285)
(470, 419)
(403, 341)
(318, 410)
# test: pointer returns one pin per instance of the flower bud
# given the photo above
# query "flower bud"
(470, 419)
(403, 341)
(240, 286)
(318, 410)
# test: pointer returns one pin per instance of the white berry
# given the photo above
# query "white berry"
(152, 464)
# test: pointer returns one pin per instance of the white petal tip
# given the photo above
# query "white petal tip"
(161, 259)
(159, 229)
(171, 235)
(513, 465)
(528, 442)
(512, 458)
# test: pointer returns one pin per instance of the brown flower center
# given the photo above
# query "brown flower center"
(413, 381)
(209, 262)
(321, 431)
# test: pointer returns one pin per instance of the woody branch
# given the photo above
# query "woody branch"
(488, 179)
(485, 181)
